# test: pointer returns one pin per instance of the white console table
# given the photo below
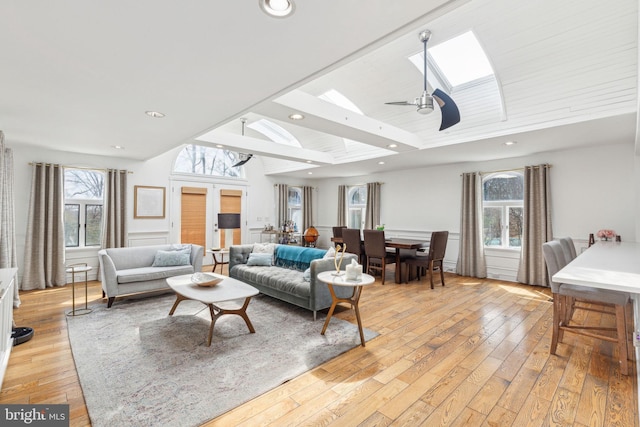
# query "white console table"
(7, 282)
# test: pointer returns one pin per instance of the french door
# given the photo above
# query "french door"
(194, 212)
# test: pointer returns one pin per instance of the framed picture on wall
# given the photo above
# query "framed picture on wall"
(148, 202)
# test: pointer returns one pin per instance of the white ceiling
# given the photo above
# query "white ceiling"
(78, 76)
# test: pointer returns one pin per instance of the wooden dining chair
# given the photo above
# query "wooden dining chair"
(568, 298)
(376, 250)
(430, 261)
(337, 230)
(351, 238)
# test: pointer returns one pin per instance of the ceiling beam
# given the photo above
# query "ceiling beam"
(261, 147)
(326, 117)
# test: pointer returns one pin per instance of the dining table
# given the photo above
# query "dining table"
(609, 265)
(398, 243)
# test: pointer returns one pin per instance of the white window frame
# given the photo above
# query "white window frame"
(362, 207)
(83, 202)
(504, 206)
(292, 208)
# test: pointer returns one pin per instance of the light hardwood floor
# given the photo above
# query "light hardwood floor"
(475, 352)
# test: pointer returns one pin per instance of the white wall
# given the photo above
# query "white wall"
(592, 188)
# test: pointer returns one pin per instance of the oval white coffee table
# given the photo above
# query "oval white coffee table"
(330, 278)
(227, 290)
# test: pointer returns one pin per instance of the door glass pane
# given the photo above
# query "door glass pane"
(94, 225)
(515, 226)
(71, 225)
(492, 226)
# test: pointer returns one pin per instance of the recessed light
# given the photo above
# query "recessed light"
(309, 161)
(118, 147)
(392, 146)
(510, 143)
(381, 163)
(219, 146)
(154, 114)
(296, 116)
(309, 173)
(277, 8)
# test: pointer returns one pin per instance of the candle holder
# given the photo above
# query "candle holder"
(337, 261)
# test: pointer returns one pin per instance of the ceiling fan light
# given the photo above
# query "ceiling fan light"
(425, 109)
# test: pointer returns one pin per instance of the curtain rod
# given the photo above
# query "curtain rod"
(74, 167)
(511, 170)
(292, 185)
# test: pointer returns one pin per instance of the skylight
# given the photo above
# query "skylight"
(457, 61)
(274, 132)
(336, 98)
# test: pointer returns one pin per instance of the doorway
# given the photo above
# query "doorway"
(194, 212)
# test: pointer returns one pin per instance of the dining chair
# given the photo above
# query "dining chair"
(351, 238)
(432, 260)
(376, 250)
(568, 248)
(567, 298)
(337, 230)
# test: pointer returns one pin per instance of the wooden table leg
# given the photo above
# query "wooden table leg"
(398, 267)
(334, 302)
(352, 301)
(242, 312)
(179, 298)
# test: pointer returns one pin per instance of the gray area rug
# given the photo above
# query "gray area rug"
(140, 367)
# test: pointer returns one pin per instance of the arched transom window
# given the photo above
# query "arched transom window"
(201, 160)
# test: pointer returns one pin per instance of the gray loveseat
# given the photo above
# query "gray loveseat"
(130, 270)
(285, 279)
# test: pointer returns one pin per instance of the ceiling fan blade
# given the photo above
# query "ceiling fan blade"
(401, 103)
(243, 161)
(450, 112)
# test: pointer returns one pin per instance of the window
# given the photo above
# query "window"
(503, 209)
(294, 207)
(356, 206)
(200, 160)
(83, 198)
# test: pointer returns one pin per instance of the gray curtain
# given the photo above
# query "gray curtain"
(372, 212)
(282, 196)
(114, 231)
(471, 261)
(536, 225)
(342, 205)
(8, 257)
(44, 248)
(307, 207)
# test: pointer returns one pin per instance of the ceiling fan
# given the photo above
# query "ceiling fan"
(244, 158)
(449, 109)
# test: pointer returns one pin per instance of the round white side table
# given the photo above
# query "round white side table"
(331, 279)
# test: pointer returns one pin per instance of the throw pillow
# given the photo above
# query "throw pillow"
(307, 275)
(264, 260)
(331, 253)
(181, 248)
(264, 248)
(170, 259)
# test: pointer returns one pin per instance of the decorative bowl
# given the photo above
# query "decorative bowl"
(206, 279)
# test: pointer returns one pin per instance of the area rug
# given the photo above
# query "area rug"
(140, 367)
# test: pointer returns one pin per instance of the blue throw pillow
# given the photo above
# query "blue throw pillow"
(170, 259)
(261, 259)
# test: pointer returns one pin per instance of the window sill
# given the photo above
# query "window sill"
(502, 251)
